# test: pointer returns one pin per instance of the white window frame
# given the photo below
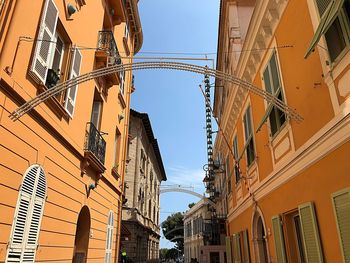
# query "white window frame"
(122, 82)
(73, 74)
(44, 30)
(126, 31)
(109, 237)
(57, 36)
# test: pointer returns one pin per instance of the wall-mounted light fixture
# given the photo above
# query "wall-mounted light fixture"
(71, 9)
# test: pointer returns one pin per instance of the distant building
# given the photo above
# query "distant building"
(145, 172)
(62, 164)
(289, 197)
(198, 234)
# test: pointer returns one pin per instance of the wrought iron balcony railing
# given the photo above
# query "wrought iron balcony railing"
(106, 42)
(94, 142)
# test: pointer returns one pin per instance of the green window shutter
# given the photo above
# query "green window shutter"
(236, 248)
(246, 246)
(279, 239)
(327, 18)
(341, 205)
(322, 6)
(311, 237)
(228, 250)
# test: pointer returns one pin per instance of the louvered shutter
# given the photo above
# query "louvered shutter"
(341, 205)
(45, 42)
(228, 249)
(28, 215)
(73, 88)
(309, 229)
(109, 237)
(246, 246)
(279, 239)
(236, 248)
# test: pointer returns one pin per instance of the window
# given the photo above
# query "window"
(71, 93)
(117, 145)
(51, 54)
(236, 156)
(334, 25)
(299, 234)
(249, 142)
(122, 82)
(143, 162)
(96, 112)
(126, 31)
(109, 237)
(28, 214)
(337, 35)
(273, 86)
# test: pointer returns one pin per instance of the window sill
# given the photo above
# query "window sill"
(122, 100)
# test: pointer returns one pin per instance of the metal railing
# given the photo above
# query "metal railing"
(107, 43)
(94, 142)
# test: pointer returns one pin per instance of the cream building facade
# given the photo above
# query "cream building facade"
(145, 172)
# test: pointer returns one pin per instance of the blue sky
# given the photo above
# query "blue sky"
(171, 98)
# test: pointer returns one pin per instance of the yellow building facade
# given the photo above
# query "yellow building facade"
(62, 164)
(289, 179)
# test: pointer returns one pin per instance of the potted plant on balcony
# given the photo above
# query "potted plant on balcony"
(53, 76)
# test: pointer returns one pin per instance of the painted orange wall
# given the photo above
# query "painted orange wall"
(28, 141)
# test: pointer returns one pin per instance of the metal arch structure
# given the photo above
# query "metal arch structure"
(173, 230)
(176, 238)
(181, 190)
(180, 66)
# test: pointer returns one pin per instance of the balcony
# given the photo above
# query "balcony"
(94, 149)
(107, 55)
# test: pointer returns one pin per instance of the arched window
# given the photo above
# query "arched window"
(28, 215)
(109, 238)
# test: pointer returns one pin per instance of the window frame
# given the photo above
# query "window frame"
(236, 159)
(249, 138)
(275, 92)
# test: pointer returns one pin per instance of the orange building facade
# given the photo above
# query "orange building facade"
(62, 165)
(290, 198)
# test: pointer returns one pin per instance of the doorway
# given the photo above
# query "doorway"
(82, 236)
(260, 239)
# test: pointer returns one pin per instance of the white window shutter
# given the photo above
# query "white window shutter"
(28, 215)
(73, 88)
(279, 239)
(311, 237)
(109, 238)
(341, 205)
(45, 42)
